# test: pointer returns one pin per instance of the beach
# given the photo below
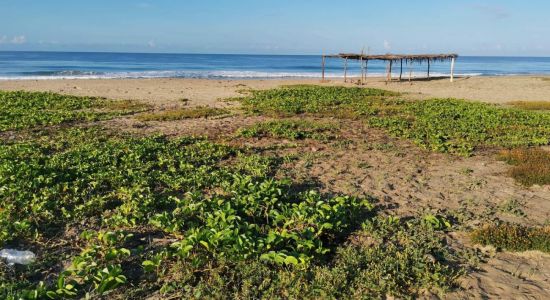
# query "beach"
(406, 179)
(163, 92)
(274, 150)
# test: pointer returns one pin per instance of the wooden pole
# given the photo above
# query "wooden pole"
(389, 71)
(366, 68)
(346, 70)
(362, 69)
(410, 71)
(452, 69)
(401, 72)
(323, 67)
(428, 68)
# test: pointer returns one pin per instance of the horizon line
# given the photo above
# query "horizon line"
(249, 54)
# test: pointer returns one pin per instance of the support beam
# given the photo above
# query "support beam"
(323, 67)
(366, 68)
(410, 72)
(452, 69)
(401, 72)
(346, 70)
(428, 69)
(362, 70)
(390, 64)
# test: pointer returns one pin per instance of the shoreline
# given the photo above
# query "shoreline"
(169, 91)
(418, 76)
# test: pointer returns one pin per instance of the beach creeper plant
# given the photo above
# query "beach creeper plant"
(21, 110)
(121, 216)
(180, 186)
(444, 125)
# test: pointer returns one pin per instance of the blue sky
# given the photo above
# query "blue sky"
(506, 27)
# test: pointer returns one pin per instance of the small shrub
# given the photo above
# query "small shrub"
(514, 237)
(184, 113)
(530, 166)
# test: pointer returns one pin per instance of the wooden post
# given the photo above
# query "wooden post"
(410, 71)
(323, 67)
(389, 70)
(428, 68)
(452, 69)
(366, 68)
(401, 72)
(362, 69)
(346, 70)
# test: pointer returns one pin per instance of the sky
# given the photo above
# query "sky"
(500, 28)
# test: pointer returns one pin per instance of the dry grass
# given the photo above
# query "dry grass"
(531, 166)
(514, 237)
(125, 105)
(184, 113)
(531, 105)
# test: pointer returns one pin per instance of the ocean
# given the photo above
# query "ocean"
(93, 65)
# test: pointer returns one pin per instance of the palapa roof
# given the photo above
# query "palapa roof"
(396, 57)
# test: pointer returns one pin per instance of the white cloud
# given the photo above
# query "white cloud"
(387, 45)
(3, 39)
(20, 39)
(151, 44)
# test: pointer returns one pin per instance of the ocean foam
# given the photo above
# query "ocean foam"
(70, 74)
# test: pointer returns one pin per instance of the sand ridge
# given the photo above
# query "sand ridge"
(167, 92)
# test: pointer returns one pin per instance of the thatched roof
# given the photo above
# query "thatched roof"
(396, 57)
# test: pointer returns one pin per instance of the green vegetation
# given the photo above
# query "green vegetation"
(233, 229)
(386, 257)
(513, 207)
(114, 215)
(514, 237)
(328, 101)
(181, 187)
(531, 105)
(457, 126)
(291, 129)
(184, 113)
(531, 166)
(21, 110)
(444, 125)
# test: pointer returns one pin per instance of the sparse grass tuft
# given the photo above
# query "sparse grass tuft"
(124, 105)
(514, 237)
(531, 166)
(531, 105)
(291, 129)
(184, 113)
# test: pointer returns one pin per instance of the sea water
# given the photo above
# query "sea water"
(93, 65)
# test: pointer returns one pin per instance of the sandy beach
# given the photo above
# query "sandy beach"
(406, 178)
(167, 92)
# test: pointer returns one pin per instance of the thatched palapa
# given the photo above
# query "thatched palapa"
(409, 60)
